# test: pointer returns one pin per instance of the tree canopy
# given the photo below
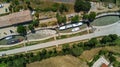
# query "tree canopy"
(75, 19)
(21, 30)
(81, 5)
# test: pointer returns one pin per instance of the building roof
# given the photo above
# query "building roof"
(15, 18)
(104, 65)
(101, 61)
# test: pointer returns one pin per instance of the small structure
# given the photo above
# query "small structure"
(102, 62)
(15, 18)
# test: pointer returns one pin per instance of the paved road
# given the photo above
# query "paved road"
(103, 30)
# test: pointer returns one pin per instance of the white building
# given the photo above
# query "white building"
(102, 62)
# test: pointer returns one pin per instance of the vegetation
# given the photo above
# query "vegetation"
(77, 51)
(75, 19)
(87, 18)
(61, 19)
(22, 30)
(31, 28)
(81, 5)
(35, 23)
(63, 8)
(92, 16)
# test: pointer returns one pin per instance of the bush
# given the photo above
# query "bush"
(92, 42)
(113, 37)
(106, 39)
(76, 51)
(66, 49)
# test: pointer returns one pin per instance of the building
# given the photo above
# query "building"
(15, 19)
(102, 62)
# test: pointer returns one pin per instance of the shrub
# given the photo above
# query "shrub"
(76, 51)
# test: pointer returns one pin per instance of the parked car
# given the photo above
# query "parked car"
(77, 24)
(1, 5)
(62, 28)
(69, 26)
(75, 29)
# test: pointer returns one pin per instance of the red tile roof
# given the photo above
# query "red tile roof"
(15, 18)
(104, 65)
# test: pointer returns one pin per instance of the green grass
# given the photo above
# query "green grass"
(3, 65)
(105, 20)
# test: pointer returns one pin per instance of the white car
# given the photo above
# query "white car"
(69, 26)
(80, 23)
(1, 5)
(62, 28)
(9, 37)
(77, 24)
(75, 29)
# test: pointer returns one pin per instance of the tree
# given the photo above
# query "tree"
(65, 49)
(55, 7)
(92, 42)
(35, 23)
(61, 19)
(76, 51)
(31, 28)
(92, 16)
(63, 8)
(85, 17)
(81, 5)
(22, 30)
(112, 59)
(113, 37)
(106, 39)
(43, 53)
(64, 19)
(75, 19)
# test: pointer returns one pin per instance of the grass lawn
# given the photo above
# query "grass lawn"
(105, 20)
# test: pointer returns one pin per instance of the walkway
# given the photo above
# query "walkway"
(112, 29)
(108, 14)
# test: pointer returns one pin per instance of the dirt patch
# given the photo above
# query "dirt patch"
(89, 54)
(114, 49)
(59, 61)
